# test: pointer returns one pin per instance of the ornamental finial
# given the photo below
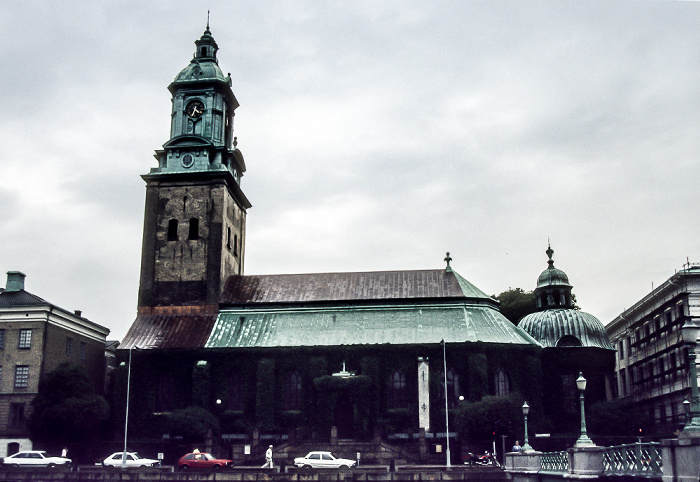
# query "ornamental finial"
(550, 252)
(207, 19)
(447, 260)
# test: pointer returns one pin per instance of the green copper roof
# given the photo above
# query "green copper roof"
(549, 327)
(454, 322)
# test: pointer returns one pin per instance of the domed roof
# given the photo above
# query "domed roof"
(565, 327)
(204, 66)
(552, 276)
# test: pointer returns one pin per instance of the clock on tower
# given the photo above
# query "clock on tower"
(194, 223)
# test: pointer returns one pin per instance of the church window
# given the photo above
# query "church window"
(502, 384)
(452, 388)
(292, 391)
(397, 390)
(568, 388)
(172, 230)
(194, 228)
(235, 392)
(235, 245)
(165, 393)
(228, 238)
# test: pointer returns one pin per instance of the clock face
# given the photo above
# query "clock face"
(195, 109)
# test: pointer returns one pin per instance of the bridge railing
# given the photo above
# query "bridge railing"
(640, 459)
(554, 462)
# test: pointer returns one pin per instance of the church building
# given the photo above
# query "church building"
(359, 355)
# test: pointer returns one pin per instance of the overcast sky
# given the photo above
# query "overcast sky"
(377, 136)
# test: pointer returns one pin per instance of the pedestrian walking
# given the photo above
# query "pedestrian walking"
(268, 458)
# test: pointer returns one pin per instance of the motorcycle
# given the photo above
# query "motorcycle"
(485, 459)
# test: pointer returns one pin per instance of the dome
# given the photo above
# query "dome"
(204, 67)
(552, 276)
(565, 327)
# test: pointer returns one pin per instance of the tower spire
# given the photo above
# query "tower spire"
(207, 19)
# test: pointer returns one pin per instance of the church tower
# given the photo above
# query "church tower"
(195, 215)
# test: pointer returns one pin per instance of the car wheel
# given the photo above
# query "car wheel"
(217, 467)
(185, 467)
(51, 466)
(344, 467)
(14, 466)
(306, 466)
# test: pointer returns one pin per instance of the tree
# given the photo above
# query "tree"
(192, 423)
(66, 409)
(516, 303)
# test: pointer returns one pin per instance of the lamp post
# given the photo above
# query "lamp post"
(526, 445)
(126, 417)
(690, 332)
(583, 440)
(447, 412)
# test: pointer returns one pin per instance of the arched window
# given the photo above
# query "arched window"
(172, 230)
(568, 341)
(502, 384)
(397, 390)
(292, 392)
(452, 388)
(235, 392)
(194, 228)
(165, 393)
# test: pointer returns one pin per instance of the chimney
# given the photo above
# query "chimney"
(15, 281)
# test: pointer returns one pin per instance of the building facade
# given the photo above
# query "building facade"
(35, 337)
(651, 367)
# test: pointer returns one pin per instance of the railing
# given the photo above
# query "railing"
(634, 459)
(554, 462)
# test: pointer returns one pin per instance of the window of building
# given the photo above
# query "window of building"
(228, 238)
(165, 393)
(292, 391)
(16, 419)
(502, 384)
(21, 376)
(568, 388)
(194, 228)
(235, 245)
(2, 339)
(452, 388)
(69, 347)
(83, 350)
(25, 339)
(397, 390)
(172, 230)
(235, 392)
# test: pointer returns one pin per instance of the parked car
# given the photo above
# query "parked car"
(34, 458)
(323, 460)
(202, 460)
(132, 460)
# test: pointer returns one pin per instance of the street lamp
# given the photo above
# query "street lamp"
(690, 332)
(583, 440)
(526, 445)
(126, 417)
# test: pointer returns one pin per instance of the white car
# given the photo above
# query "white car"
(132, 460)
(323, 460)
(34, 458)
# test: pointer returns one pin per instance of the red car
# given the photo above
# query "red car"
(202, 460)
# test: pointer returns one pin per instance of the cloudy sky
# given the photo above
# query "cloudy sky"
(377, 134)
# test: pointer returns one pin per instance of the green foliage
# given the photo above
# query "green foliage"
(192, 423)
(265, 395)
(617, 418)
(201, 384)
(516, 303)
(66, 409)
(478, 420)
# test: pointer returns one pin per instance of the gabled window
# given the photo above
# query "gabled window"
(172, 230)
(397, 390)
(292, 392)
(25, 339)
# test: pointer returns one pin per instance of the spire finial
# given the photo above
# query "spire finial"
(447, 260)
(550, 252)
(207, 19)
